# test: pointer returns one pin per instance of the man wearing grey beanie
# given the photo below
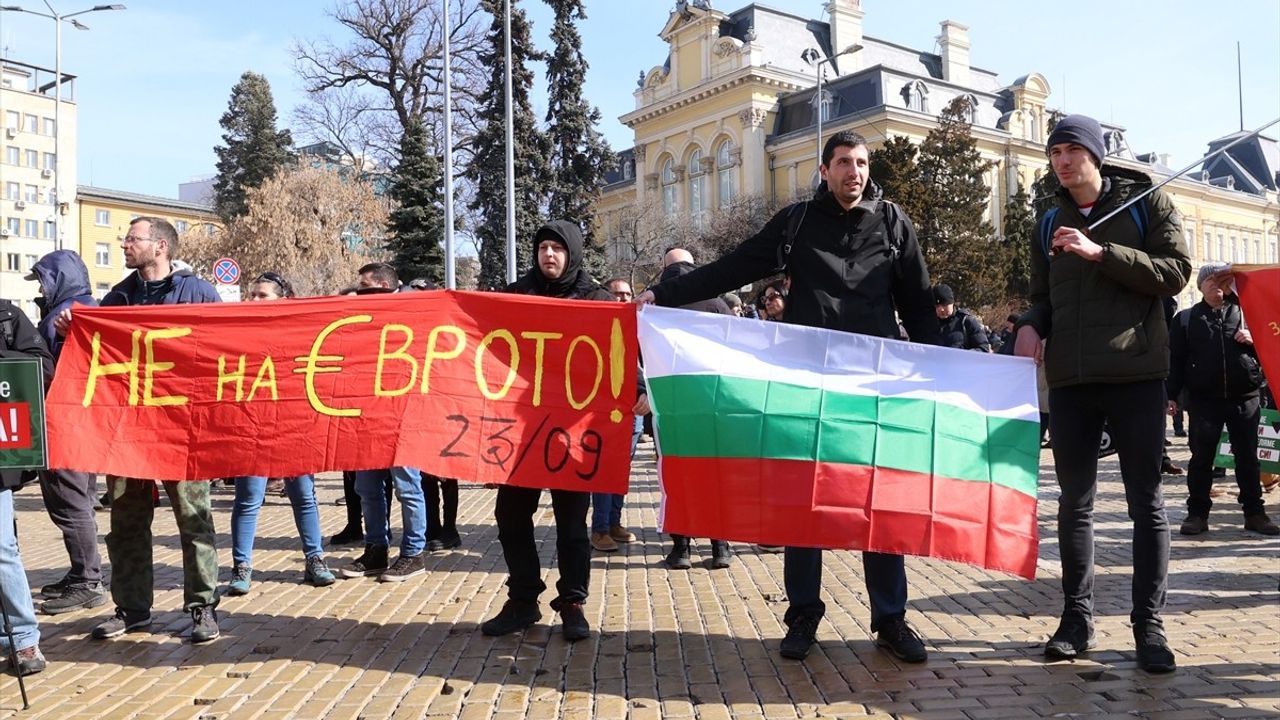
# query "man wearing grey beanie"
(1105, 361)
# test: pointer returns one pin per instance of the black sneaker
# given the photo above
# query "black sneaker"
(515, 615)
(122, 622)
(372, 562)
(75, 597)
(1154, 654)
(897, 637)
(205, 627)
(1194, 525)
(720, 555)
(56, 589)
(573, 624)
(347, 536)
(1072, 638)
(449, 540)
(678, 558)
(405, 568)
(801, 634)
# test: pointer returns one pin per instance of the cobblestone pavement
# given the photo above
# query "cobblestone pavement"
(695, 644)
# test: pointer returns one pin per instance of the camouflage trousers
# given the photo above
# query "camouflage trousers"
(129, 542)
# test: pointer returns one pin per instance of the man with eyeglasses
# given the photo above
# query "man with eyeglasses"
(150, 247)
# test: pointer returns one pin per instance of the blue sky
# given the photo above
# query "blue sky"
(155, 78)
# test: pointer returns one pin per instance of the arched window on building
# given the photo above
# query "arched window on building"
(726, 174)
(916, 95)
(697, 188)
(668, 179)
(628, 169)
(970, 112)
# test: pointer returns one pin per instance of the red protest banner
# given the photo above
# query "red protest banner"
(1259, 289)
(481, 387)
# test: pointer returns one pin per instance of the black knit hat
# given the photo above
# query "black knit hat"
(1081, 130)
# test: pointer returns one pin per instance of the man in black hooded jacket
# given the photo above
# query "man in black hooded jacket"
(557, 272)
(852, 260)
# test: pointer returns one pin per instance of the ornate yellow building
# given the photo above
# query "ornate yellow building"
(731, 113)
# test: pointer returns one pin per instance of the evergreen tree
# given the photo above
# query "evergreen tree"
(416, 225)
(579, 153)
(488, 164)
(254, 149)
(894, 167)
(957, 241)
(1019, 242)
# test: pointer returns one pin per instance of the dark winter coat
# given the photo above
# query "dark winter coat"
(181, 287)
(843, 273)
(64, 281)
(963, 330)
(715, 305)
(1104, 321)
(20, 339)
(575, 282)
(1206, 360)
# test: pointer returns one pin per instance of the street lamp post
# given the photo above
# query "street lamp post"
(57, 96)
(811, 57)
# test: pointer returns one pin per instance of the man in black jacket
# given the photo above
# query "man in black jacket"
(557, 272)
(852, 260)
(959, 328)
(1214, 361)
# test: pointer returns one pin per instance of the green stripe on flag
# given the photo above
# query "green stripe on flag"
(718, 416)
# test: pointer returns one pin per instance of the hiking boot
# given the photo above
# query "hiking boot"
(720, 555)
(405, 568)
(621, 534)
(897, 637)
(1261, 524)
(515, 615)
(205, 624)
(56, 589)
(1153, 653)
(76, 597)
(240, 576)
(678, 558)
(573, 624)
(318, 572)
(30, 660)
(603, 542)
(122, 622)
(1168, 468)
(372, 562)
(447, 540)
(801, 634)
(1070, 639)
(1194, 525)
(347, 536)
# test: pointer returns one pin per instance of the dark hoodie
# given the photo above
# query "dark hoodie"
(64, 281)
(575, 283)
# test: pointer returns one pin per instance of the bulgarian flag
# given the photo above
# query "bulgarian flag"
(788, 435)
(1259, 289)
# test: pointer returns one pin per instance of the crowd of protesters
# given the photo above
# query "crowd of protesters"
(1099, 379)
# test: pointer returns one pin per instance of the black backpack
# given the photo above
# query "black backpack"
(890, 212)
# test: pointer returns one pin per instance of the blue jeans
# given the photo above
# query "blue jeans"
(244, 515)
(606, 508)
(13, 582)
(413, 508)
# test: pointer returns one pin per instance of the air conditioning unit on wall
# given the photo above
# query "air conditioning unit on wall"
(20, 205)
(11, 133)
(46, 173)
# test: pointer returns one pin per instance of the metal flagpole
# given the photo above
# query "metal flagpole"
(13, 652)
(1176, 175)
(511, 154)
(450, 280)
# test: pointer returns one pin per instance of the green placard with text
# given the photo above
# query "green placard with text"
(22, 437)
(1268, 445)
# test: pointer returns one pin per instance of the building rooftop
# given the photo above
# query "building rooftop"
(122, 196)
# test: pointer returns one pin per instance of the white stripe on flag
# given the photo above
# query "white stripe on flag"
(683, 342)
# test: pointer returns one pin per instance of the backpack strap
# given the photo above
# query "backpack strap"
(1045, 230)
(795, 218)
(892, 222)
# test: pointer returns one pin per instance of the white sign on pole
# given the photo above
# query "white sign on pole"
(229, 293)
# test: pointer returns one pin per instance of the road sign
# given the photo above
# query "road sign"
(22, 444)
(226, 271)
(228, 293)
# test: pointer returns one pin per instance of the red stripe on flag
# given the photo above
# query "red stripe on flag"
(854, 507)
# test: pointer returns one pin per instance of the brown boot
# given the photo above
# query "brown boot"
(620, 534)
(602, 542)
(1261, 524)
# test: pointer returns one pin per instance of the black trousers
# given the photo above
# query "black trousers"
(1134, 414)
(1206, 418)
(435, 489)
(68, 498)
(514, 514)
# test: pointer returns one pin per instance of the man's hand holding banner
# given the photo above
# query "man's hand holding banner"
(476, 386)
